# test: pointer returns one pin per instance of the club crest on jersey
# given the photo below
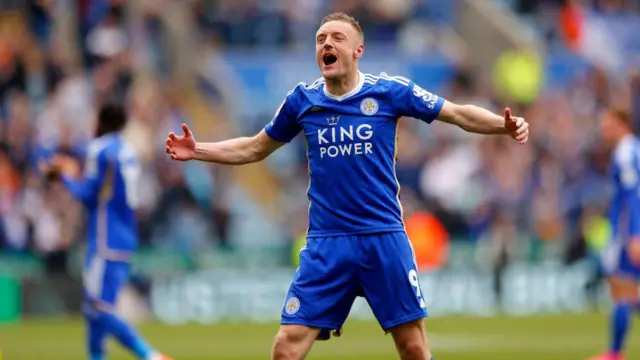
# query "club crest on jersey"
(333, 121)
(369, 106)
(292, 306)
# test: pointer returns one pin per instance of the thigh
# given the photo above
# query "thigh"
(103, 280)
(617, 263)
(623, 289)
(389, 279)
(323, 289)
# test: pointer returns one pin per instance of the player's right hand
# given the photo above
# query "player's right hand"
(67, 165)
(181, 148)
(60, 165)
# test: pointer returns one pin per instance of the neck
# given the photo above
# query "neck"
(341, 86)
(619, 139)
(623, 135)
(101, 133)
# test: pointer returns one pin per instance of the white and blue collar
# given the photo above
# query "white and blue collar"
(351, 93)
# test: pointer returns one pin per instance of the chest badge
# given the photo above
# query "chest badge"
(369, 106)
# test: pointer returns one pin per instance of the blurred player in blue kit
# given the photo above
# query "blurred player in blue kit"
(356, 241)
(621, 257)
(108, 190)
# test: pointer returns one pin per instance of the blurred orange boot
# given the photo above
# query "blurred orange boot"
(609, 356)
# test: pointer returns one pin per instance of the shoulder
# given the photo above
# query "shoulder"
(299, 96)
(99, 146)
(306, 89)
(126, 152)
(388, 81)
(625, 162)
(626, 150)
(98, 154)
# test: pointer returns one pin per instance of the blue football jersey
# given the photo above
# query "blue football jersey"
(352, 149)
(109, 192)
(624, 210)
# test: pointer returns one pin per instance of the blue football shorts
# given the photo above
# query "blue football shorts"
(103, 280)
(616, 261)
(335, 270)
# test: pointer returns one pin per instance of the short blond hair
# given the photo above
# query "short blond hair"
(344, 18)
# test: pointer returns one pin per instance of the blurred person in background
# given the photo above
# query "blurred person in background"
(54, 218)
(109, 190)
(621, 258)
(14, 228)
(350, 121)
(12, 72)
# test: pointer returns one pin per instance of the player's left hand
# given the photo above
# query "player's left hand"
(516, 127)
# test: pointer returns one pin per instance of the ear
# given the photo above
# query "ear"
(357, 53)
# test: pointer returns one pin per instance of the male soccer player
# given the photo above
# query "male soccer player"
(108, 191)
(621, 257)
(356, 241)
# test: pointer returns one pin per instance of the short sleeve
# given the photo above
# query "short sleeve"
(624, 166)
(95, 163)
(409, 99)
(284, 126)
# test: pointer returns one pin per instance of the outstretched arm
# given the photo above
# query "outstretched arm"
(238, 151)
(481, 121)
(85, 188)
(412, 100)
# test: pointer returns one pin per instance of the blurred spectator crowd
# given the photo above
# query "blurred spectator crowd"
(294, 22)
(58, 64)
(484, 189)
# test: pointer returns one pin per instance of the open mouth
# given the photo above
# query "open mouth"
(329, 59)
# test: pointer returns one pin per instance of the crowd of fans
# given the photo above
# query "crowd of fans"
(292, 22)
(558, 21)
(50, 90)
(484, 189)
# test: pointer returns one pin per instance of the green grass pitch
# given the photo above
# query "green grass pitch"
(500, 338)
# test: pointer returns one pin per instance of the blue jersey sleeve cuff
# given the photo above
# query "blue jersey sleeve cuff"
(436, 110)
(77, 189)
(73, 186)
(274, 135)
(67, 181)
